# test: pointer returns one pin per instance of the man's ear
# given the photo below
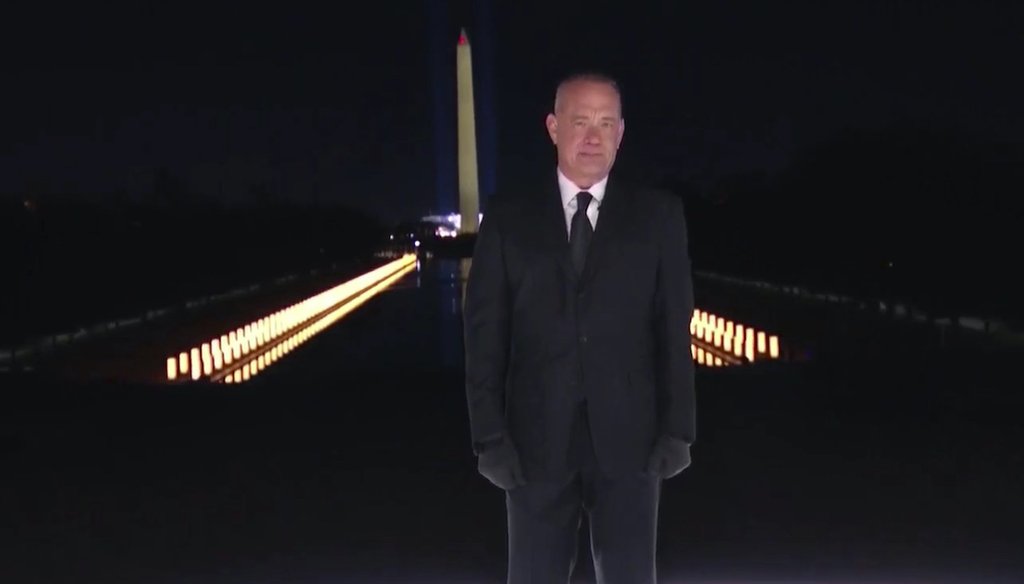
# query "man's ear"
(552, 124)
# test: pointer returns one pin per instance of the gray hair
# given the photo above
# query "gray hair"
(591, 76)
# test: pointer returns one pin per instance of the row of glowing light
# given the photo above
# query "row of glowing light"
(285, 328)
(214, 356)
(729, 338)
(255, 366)
(699, 354)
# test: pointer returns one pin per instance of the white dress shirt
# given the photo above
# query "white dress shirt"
(569, 191)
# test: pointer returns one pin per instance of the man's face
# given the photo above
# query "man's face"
(586, 130)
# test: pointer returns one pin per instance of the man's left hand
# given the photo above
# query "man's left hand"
(669, 457)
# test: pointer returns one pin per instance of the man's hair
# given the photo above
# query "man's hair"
(592, 76)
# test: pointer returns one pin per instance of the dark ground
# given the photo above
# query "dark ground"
(884, 458)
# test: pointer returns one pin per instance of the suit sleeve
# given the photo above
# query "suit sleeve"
(674, 309)
(486, 335)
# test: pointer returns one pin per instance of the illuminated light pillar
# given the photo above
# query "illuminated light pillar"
(469, 184)
(196, 365)
(206, 358)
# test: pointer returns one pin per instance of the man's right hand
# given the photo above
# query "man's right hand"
(500, 465)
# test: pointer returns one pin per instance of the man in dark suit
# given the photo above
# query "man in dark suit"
(579, 375)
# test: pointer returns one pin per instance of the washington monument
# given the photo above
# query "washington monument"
(469, 184)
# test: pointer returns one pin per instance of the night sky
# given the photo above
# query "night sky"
(355, 106)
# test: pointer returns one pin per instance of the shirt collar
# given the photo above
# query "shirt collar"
(569, 189)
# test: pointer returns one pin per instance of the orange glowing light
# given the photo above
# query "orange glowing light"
(274, 335)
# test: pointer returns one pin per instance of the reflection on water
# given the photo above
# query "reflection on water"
(464, 266)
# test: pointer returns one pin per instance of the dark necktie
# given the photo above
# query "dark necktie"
(580, 231)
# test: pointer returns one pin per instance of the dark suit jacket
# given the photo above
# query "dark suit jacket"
(538, 338)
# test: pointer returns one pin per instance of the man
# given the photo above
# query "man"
(579, 376)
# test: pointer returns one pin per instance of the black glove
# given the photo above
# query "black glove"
(668, 457)
(500, 465)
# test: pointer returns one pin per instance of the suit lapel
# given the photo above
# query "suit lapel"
(609, 221)
(552, 230)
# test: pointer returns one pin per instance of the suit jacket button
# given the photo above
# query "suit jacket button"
(583, 338)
